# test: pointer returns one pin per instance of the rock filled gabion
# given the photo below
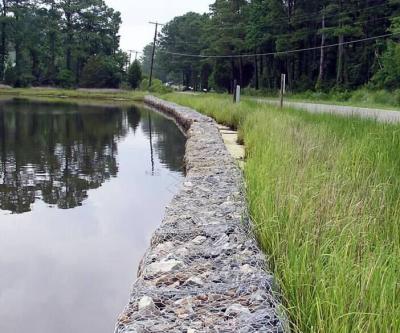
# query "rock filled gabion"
(204, 271)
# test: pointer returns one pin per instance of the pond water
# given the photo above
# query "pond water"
(82, 188)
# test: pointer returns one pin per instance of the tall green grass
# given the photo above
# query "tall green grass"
(324, 194)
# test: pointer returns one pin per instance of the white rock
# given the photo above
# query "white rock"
(163, 266)
(257, 296)
(184, 302)
(164, 247)
(182, 252)
(223, 240)
(194, 281)
(191, 330)
(199, 240)
(235, 310)
(246, 269)
(146, 303)
(227, 204)
(135, 330)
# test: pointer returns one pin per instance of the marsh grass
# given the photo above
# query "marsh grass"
(71, 93)
(324, 194)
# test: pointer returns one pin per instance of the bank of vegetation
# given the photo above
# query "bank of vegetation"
(323, 193)
(312, 42)
(66, 94)
(64, 43)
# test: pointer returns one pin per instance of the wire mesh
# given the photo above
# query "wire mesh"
(204, 271)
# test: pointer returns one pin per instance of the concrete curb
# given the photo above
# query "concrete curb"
(204, 271)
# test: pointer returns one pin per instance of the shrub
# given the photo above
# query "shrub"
(66, 79)
(100, 72)
(12, 78)
(389, 75)
(10, 75)
(156, 86)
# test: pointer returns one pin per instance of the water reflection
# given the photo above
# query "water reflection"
(57, 154)
(82, 189)
(169, 153)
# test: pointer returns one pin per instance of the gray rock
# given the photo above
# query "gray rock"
(163, 266)
(203, 261)
(164, 247)
(194, 281)
(247, 269)
(236, 310)
(199, 240)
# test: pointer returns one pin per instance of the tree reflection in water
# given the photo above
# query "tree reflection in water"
(163, 138)
(57, 152)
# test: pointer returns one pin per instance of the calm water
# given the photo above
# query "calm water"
(82, 188)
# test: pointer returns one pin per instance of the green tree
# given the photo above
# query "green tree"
(135, 74)
(100, 72)
(159, 70)
(184, 34)
(50, 41)
(388, 75)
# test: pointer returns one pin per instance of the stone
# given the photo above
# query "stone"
(246, 269)
(257, 296)
(184, 309)
(146, 303)
(199, 240)
(205, 271)
(194, 281)
(164, 247)
(163, 266)
(135, 330)
(223, 240)
(236, 310)
(182, 252)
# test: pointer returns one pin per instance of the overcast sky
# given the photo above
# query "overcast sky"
(136, 32)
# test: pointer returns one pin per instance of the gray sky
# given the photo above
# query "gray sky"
(136, 32)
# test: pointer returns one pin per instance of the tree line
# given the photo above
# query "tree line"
(318, 31)
(67, 43)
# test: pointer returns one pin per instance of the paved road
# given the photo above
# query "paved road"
(381, 115)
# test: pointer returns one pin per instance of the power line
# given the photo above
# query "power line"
(279, 52)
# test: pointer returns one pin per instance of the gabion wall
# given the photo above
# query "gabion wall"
(204, 271)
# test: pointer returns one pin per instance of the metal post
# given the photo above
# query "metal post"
(283, 89)
(234, 90)
(237, 94)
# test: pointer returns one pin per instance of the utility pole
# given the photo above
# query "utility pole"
(130, 55)
(154, 51)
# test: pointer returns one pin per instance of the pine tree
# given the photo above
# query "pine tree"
(134, 75)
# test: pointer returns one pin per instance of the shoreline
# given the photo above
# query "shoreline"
(204, 270)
